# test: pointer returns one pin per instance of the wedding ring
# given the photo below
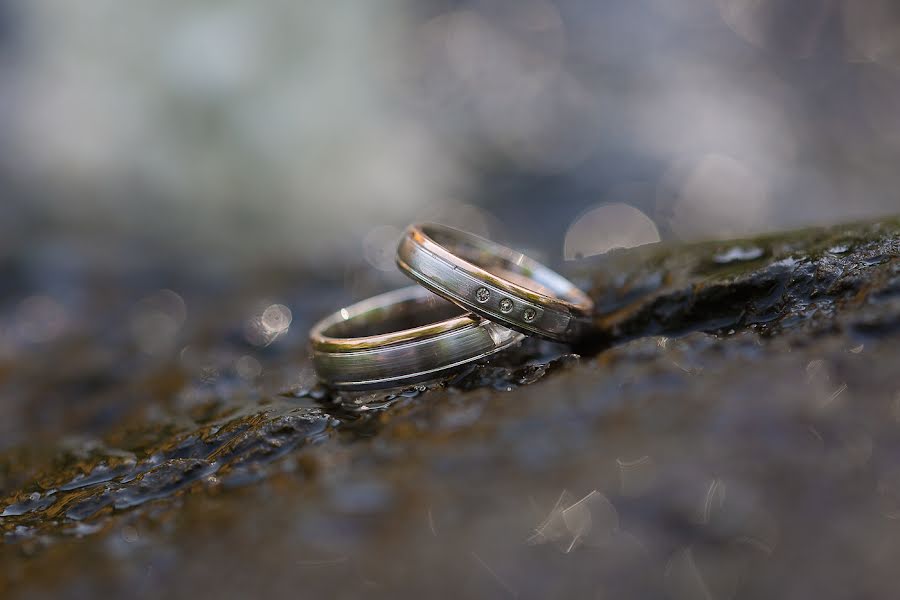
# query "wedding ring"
(399, 338)
(494, 282)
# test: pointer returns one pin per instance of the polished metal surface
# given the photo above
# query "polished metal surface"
(350, 350)
(494, 282)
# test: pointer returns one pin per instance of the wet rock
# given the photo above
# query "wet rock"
(728, 429)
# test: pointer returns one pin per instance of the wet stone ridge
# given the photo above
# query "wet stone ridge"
(231, 450)
(768, 284)
(731, 429)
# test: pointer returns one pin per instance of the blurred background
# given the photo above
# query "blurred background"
(314, 131)
(187, 186)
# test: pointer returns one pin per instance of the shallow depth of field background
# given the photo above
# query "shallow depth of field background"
(224, 131)
(187, 186)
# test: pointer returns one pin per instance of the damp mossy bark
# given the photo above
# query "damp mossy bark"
(730, 429)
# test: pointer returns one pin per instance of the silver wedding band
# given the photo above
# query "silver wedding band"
(494, 282)
(400, 338)
(475, 298)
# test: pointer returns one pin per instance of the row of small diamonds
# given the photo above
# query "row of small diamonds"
(482, 295)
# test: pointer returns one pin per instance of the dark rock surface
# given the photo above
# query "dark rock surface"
(730, 430)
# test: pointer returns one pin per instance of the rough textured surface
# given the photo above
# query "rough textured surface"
(729, 431)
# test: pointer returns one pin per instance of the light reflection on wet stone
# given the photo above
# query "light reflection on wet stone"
(713, 501)
(553, 527)
(701, 573)
(737, 254)
(590, 521)
(638, 476)
(735, 514)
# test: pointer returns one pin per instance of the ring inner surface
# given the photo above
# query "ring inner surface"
(400, 316)
(506, 264)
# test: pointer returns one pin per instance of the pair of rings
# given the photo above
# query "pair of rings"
(496, 297)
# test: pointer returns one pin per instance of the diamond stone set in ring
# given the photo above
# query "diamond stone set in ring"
(475, 298)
